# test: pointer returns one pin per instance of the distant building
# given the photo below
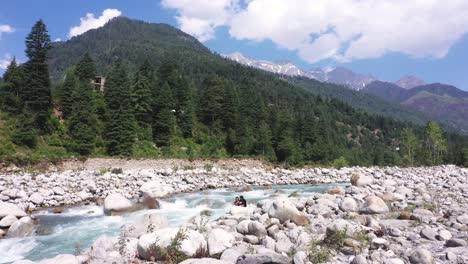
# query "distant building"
(98, 83)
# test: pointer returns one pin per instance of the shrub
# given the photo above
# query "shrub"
(340, 162)
(171, 253)
(117, 171)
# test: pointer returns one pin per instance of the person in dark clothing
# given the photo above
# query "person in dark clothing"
(237, 201)
(242, 201)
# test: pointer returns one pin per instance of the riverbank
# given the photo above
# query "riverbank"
(388, 215)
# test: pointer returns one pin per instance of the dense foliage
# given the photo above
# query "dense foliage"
(176, 99)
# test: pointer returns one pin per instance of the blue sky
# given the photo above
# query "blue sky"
(387, 45)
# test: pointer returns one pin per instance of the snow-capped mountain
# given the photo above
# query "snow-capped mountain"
(338, 75)
(409, 82)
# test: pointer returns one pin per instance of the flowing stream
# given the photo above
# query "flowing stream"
(78, 227)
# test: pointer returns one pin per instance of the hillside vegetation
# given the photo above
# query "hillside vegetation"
(166, 95)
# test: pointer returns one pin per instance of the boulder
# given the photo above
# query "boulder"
(204, 261)
(444, 235)
(348, 204)
(300, 258)
(257, 229)
(155, 189)
(374, 205)
(463, 219)
(455, 242)
(21, 228)
(263, 258)
(36, 198)
(10, 209)
(62, 259)
(359, 259)
(145, 224)
(163, 237)
(283, 244)
(103, 247)
(429, 233)
(243, 227)
(117, 203)
(300, 220)
(219, 240)
(8, 220)
(282, 209)
(240, 211)
(360, 180)
(421, 256)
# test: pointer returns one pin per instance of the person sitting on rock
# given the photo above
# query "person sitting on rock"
(242, 201)
(236, 201)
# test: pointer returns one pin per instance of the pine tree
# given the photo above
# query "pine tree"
(69, 87)
(25, 134)
(36, 93)
(82, 125)
(212, 100)
(146, 69)
(120, 127)
(185, 112)
(142, 100)
(164, 125)
(10, 89)
(85, 69)
(264, 143)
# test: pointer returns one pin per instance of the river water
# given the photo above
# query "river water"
(78, 227)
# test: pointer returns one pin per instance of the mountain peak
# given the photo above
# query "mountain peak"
(409, 82)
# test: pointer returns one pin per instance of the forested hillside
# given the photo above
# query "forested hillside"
(166, 95)
(444, 103)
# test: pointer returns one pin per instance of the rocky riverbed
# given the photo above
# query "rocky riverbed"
(386, 215)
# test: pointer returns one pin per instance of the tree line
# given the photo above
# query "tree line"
(170, 111)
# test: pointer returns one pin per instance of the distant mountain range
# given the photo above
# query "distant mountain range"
(444, 103)
(339, 75)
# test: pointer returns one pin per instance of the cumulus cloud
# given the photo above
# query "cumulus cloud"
(200, 18)
(5, 29)
(91, 22)
(341, 30)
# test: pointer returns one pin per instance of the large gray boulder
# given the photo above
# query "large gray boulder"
(348, 204)
(421, 256)
(263, 258)
(374, 205)
(257, 229)
(163, 237)
(283, 209)
(360, 180)
(240, 211)
(21, 228)
(155, 189)
(10, 209)
(8, 220)
(219, 240)
(36, 198)
(145, 224)
(117, 203)
(204, 261)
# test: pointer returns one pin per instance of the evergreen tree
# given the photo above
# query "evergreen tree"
(120, 127)
(36, 93)
(85, 69)
(142, 100)
(184, 108)
(410, 145)
(212, 100)
(146, 69)
(10, 89)
(164, 122)
(264, 144)
(25, 134)
(435, 144)
(69, 87)
(82, 125)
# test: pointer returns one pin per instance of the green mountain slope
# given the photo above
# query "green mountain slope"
(186, 102)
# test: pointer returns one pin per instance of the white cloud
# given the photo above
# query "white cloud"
(57, 40)
(342, 30)
(200, 18)
(90, 22)
(5, 61)
(5, 29)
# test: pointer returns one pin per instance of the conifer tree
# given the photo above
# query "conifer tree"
(184, 107)
(264, 143)
(36, 93)
(10, 89)
(82, 125)
(146, 69)
(142, 100)
(120, 127)
(86, 69)
(211, 106)
(69, 87)
(164, 125)
(25, 133)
